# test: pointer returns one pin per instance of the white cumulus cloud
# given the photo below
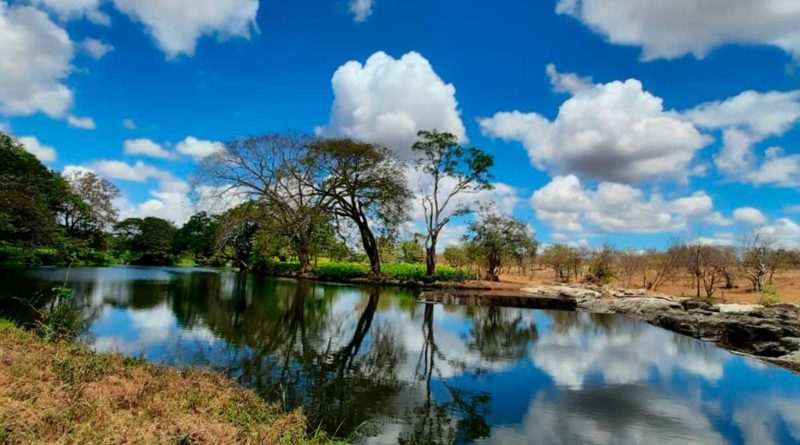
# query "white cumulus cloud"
(567, 205)
(35, 56)
(76, 9)
(86, 123)
(138, 172)
(784, 231)
(673, 28)
(745, 120)
(615, 131)
(749, 215)
(176, 25)
(44, 153)
(145, 147)
(388, 100)
(197, 148)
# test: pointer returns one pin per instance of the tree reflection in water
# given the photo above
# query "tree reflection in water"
(345, 369)
(289, 350)
(378, 362)
(495, 335)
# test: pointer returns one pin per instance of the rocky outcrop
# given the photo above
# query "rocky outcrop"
(768, 332)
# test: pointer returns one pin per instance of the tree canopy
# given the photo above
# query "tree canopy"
(495, 238)
(365, 185)
(451, 170)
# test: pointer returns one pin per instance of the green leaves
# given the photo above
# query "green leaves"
(495, 238)
(453, 170)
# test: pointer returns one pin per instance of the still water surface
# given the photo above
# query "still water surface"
(374, 364)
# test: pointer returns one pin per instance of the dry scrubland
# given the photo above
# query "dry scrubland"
(62, 393)
(786, 282)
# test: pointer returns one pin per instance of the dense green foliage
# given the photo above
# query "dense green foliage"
(150, 239)
(46, 219)
(495, 238)
(196, 237)
(31, 198)
(394, 271)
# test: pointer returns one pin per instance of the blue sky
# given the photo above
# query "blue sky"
(653, 120)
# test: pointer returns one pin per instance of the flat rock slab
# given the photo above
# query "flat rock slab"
(515, 299)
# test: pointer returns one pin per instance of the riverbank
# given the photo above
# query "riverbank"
(63, 393)
(770, 333)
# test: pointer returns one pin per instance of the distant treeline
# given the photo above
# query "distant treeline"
(299, 201)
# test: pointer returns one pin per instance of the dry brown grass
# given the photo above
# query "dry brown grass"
(787, 282)
(65, 394)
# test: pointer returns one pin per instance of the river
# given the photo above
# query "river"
(375, 365)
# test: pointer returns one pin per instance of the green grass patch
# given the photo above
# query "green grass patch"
(416, 272)
(342, 271)
(404, 272)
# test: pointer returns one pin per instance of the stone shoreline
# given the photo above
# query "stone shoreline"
(770, 333)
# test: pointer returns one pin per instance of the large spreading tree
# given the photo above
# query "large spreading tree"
(364, 184)
(31, 197)
(274, 170)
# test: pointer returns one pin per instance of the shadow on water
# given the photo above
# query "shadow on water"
(378, 363)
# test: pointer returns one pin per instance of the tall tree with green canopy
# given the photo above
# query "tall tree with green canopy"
(149, 239)
(31, 197)
(90, 211)
(495, 238)
(364, 184)
(197, 236)
(451, 170)
(236, 233)
(275, 170)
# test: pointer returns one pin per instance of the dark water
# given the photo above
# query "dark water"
(377, 362)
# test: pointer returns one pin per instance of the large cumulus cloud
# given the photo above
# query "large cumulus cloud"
(615, 131)
(672, 28)
(387, 101)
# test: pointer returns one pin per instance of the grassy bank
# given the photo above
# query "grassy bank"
(404, 273)
(63, 393)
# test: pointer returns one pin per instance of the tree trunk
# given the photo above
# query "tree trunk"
(305, 261)
(430, 259)
(697, 278)
(370, 248)
(492, 267)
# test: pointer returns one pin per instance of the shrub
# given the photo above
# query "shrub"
(406, 272)
(60, 320)
(445, 273)
(770, 295)
(342, 271)
(416, 272)
(280, 268)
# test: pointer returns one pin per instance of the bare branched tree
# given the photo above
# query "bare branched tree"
(277, 171)
(631, 263)
(665, 264)
(757, 257)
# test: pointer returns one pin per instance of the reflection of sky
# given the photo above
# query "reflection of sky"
(583, 380)
(613, 415)
(156, 335)
(629, 352)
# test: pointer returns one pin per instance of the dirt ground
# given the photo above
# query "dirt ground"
(787, 283)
